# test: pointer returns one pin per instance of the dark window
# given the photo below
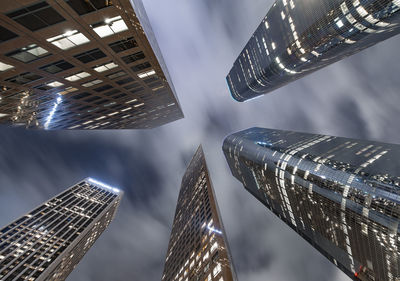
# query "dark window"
(92, 99)
(150, 80)
(131, 86)
(116, 74)
(6, 34)
(124, 81)
(103, 88)
(84, 108)
(119, 96)
(43, 87)
(91, 55)
(36, 16)
(101, 102)
(134, 57)
(29, 53)
(24, 78)
(57, 66)
(81, 95)
(123, 45)
(86, 6)
(110, 93)
(141, 66)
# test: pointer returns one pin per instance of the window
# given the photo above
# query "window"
(77, 76)
(6, 34)
(36, 16)
(123, 45)
(81, 96)
(57, 67)
(24, 78)
(124, 81)
(92, 83)
(116, 74)
(146, 74)
(133, 57)
(109, 27)
(92, 99)
(87, 6)
(141, 66)
(103, 88)
(68, 90)
(68, 40)
(91, 55)
(54, 84)
(217, 269)
(105, 67)
(5, 67)
(29, 53)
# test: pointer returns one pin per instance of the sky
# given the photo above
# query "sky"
(357, 98)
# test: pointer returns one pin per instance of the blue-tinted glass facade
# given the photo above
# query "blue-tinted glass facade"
(341, 195)
(298, 37)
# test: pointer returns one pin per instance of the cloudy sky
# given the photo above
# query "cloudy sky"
(357, 97)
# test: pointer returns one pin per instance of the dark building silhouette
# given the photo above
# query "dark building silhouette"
(341, 195)
(298, 37)
(48, 242)
(198, 248)
(82, 64)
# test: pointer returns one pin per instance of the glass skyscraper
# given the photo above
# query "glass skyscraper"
(48, 242)
(198, 248)
(298, 37)
(84, 65)
(341, 195)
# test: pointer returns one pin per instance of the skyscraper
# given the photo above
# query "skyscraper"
(198, 248)
(298, 37)
(341, 195)
(48, 242)
(82, 64)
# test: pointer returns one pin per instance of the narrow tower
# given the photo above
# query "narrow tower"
(198, 248)
(298, 37)
(48, 242)
(341, 195)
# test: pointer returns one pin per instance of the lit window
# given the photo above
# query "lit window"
(29, 53)
(206, 256)
(92, 83)
(4, 66)
(77, 76)
(68, 40)
(214, 247)
(110, 27)
(105, 67)
(55, 84)
(339, 23)
(146, 74)
(139, 105)
(217, 269)
(68, 90)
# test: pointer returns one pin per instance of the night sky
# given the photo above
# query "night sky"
(200, 40)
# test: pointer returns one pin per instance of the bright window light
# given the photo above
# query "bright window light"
(138, 105)
(68, 40)
(103, 185)
(339, 23)
(77, 76)
(105, 67)
(3, 115)
(55, 84)
(110, 27)
(92, 83)
(68, 90)
(4, 66)
(131, 101)
(146, 74)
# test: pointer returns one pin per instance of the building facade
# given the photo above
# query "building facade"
(48, 242)
(82, 64)
(341, 195)
(198, 248)
(298, 37)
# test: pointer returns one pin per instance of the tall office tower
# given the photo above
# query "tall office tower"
(298, 37)
(48, 242)
(198, 248)
(82, 64)
(341, 195)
